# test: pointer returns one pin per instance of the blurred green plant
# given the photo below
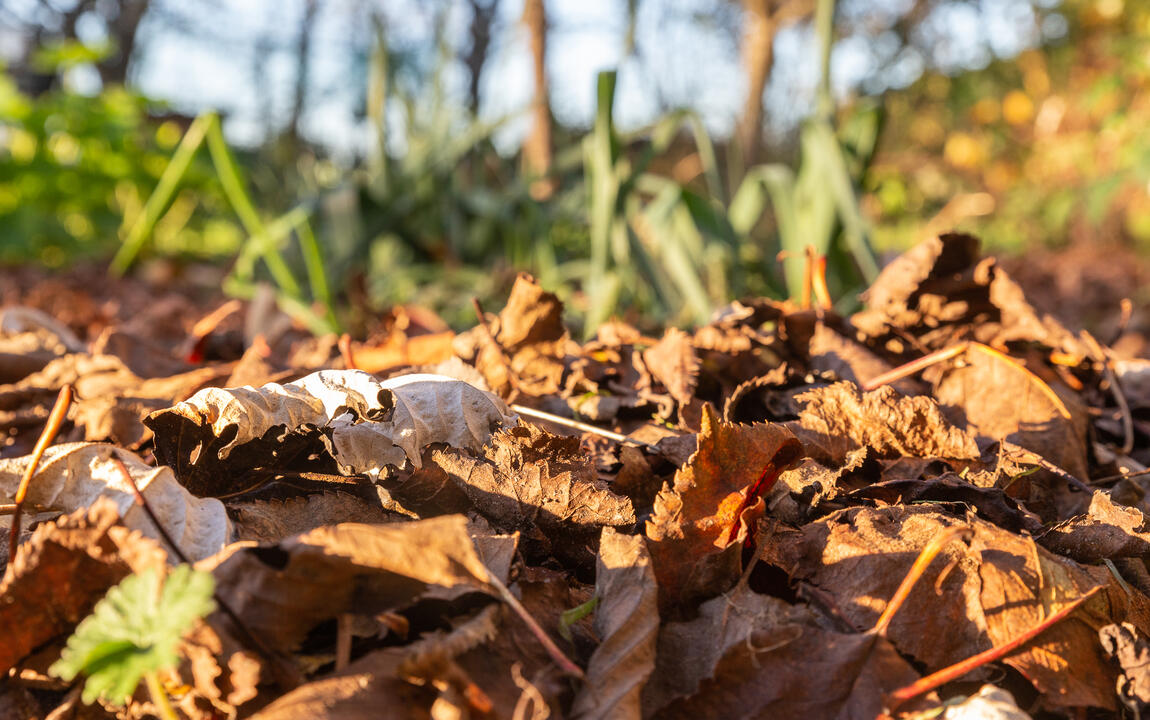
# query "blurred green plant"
(264, 240)
(73, 167)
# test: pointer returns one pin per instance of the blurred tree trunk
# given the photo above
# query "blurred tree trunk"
(482, 17)
(302, 71)
(764, 18)
(122, 30)
(537, 145)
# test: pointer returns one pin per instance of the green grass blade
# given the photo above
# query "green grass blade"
(146, 221)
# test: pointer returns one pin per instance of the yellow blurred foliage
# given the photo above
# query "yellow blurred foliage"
(1017, 108)
(964, 151)
(985, 111)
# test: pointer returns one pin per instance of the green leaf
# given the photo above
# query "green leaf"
(133, 631)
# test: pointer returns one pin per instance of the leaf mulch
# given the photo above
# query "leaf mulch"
(934, 507)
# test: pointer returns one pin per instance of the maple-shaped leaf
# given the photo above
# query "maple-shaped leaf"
(134, 631)
(701, 520)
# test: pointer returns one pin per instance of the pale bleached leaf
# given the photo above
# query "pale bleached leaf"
(73, 476)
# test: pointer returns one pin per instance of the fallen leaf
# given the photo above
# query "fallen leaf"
(701, 520)
(672, 361)
(1106, 531)
(998, 399)
(60, 573)
(1131, 650)
(364, 424)
(72, 476)
(838, 419)
(281, 591)
(627, 620)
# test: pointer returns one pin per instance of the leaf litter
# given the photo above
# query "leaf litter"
(933, 507)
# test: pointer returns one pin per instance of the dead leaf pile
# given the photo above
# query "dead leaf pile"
(934, 507)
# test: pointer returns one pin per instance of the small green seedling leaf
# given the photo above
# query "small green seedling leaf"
(134, 631)
(569, 617)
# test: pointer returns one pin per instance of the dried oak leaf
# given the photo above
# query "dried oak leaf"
(1107, 530)
(1130, 648)
(701, 520)
(838, 419)
(281, 591)
(364, 424)
(627, 620)
(60, 573)
(527, 480)
(72, 476)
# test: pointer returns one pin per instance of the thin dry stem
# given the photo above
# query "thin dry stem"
(937, 679)
(544, 639)
(51, 429)
(585, 427)
(915, 366)
(932, 549)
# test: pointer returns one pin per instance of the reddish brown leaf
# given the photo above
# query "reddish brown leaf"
(702, 519)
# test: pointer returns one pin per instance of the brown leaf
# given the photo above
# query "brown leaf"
(838, 419)
(528, 480)
(60, 573)
(673, 362)
(283, 590)
(274, 520)
(369, 689)
(1125, 644)
(860, 556)
(1000, 399)
(1003, 585)
(532, 315)
(1107, 530)
(751, 655)
(627, 620)
(701, 520)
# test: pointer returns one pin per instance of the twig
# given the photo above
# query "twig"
(819, 279)
(585, 427)
(286, 676)
(544, 639)
(932, 549)
(914, 366)
(346, 352)
(936, 679)
(1120, 476)
(51, 428)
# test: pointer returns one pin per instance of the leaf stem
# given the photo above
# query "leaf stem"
(929, 552)
(934, 680)
(51, 428)
(160, 697)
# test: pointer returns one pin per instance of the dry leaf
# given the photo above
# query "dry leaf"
(366, 425)
(60, 573)
(73, 476)
(627, 620)
(701, 520)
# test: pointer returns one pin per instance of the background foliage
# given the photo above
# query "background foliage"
(661, 223)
